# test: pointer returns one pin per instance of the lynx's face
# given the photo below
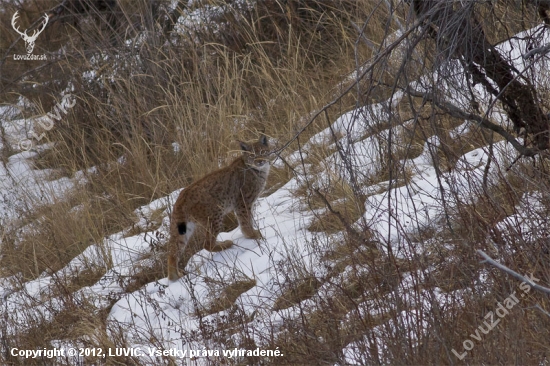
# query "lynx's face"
(257, 155)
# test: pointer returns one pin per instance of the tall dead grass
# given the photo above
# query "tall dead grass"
(158, 109)
(154, 111)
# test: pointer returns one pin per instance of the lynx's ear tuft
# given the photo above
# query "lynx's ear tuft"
(245, 146)
(263, 139)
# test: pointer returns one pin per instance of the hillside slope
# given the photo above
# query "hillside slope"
(369, 241)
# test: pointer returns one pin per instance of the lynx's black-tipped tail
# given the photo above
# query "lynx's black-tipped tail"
(182, 228)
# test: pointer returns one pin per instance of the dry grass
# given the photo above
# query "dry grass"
(265, 71)
(226, 297)
(55, 234)
(299, 291)
(259, 75)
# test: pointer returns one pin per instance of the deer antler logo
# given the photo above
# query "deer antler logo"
(29, 40)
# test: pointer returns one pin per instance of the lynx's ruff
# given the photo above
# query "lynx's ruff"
(198, 213)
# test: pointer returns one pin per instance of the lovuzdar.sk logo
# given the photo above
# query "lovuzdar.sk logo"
(29, 40)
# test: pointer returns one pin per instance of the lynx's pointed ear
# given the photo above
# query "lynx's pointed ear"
(263, 139)
(244, 146)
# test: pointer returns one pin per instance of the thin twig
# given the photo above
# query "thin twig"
(368, 66)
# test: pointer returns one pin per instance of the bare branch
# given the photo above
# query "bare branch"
(537, 51)
(484, 61)
(512, 273)
(484, 122)
(367, 67)
(541, 309)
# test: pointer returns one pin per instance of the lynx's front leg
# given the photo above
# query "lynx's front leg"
(244, 215)
(213, 230)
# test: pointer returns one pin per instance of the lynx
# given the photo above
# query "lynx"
(198, 213)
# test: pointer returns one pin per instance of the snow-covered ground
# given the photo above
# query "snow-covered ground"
(167, 311)
(164, 315)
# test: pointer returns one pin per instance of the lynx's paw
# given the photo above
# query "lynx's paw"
(174, 275)
(220, 245)
(254, 234)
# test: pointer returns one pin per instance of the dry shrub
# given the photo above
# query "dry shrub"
(298, 291)
(335, 219)
(265, 69)
(54, 234)
(228, 295)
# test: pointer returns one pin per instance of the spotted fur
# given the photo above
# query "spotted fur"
(198, 213)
